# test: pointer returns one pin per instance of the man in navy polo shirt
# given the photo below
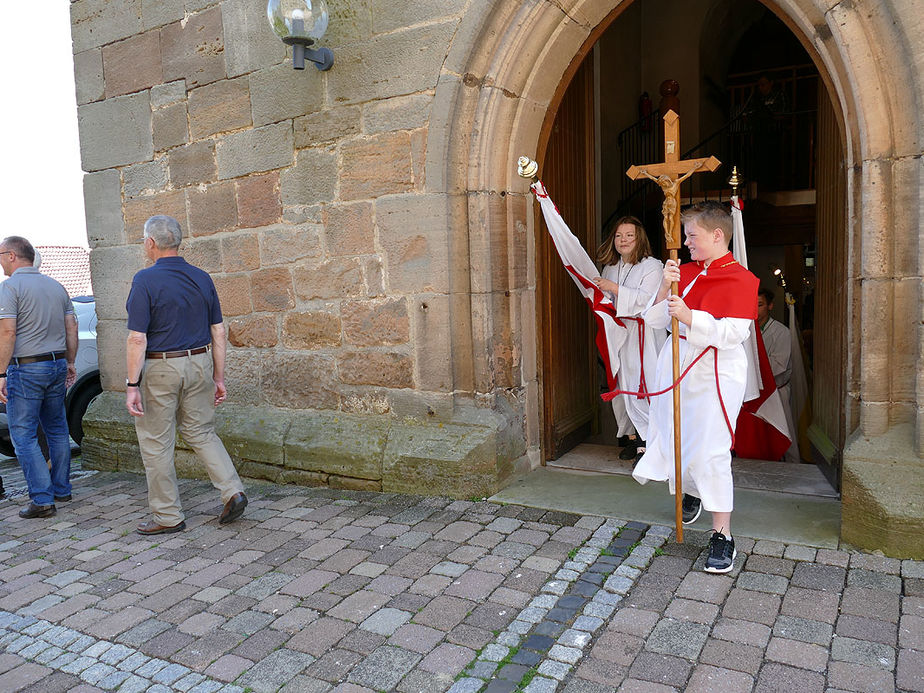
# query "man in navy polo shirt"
(38, 347)
(176, 375)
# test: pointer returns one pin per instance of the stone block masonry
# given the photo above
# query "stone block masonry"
(282, 441)
(304, 195)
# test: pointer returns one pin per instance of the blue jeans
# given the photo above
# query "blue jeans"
(36, 394)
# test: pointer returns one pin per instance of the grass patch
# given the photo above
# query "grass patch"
(527, 677)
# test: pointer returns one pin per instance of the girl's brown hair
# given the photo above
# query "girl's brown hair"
(607, 254)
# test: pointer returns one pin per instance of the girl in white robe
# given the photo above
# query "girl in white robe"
(631, 277)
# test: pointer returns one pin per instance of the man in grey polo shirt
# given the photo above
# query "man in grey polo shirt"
(38, 346)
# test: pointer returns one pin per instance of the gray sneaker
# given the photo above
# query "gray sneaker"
(722, 554)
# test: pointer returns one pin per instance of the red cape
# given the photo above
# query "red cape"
(755, 438)
(727, 290)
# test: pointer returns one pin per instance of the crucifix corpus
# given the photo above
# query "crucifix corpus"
(669, 176)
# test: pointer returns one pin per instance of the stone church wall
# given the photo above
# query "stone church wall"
(305, 195)
(375, 253)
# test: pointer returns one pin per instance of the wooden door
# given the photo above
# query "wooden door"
(827, 431)
(569, 356)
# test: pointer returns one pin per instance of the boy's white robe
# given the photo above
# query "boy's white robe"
(705, 438)
(638, 284)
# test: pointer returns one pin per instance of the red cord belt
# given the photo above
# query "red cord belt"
(644, 394)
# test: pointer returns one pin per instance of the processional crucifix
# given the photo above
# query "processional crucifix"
(669, 176)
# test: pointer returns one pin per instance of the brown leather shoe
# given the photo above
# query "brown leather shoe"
(151, 527)
(32, 511)
(233, 509)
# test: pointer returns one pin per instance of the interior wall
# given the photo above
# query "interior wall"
(620, 87)
(668, 56)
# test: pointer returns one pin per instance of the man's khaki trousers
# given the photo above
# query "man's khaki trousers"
(180, 393)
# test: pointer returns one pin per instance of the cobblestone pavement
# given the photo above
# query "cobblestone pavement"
(322, 590)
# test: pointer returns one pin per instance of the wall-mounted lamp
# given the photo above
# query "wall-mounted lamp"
(299, 23)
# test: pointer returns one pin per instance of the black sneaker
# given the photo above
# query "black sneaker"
(722, 554)
(692, 507)
(630, 449)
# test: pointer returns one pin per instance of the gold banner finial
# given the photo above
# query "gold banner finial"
(734, 181)
(527, 168)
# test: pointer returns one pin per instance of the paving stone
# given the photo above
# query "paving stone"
(274, 671)
(382, 669)
(678, 638)
(831, 557)
(170, 674)
(802, 654)
(689, 610)
(443, 613)
(541, 684)
(819, 577)
(745, 632)
(114, 681)
(228, 667)
(769, 548)
(874, 580)
(386, 621)
(24, 675)
(804, 630)
(580, 685)
(500, 686)
(811, 604)
(854, 677)
(634, 621)
(910, 670)
(447, 658)
(569, 655)
(748, 605)
(762, 582)
(732, 655)
(467, 685)
(96, 673)
(334, 665)
(705, 587)
(660, 668)
(863, 652)
(871, 603)
(779, 678)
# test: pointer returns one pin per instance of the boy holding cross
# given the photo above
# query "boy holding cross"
(716, 307)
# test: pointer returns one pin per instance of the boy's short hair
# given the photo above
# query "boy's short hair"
(710, 215)
(767, 294)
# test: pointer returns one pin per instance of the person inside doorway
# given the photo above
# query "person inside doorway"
(778, 343)
(715, 310)
(631, 277)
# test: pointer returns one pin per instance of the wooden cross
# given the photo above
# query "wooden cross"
(669, 176)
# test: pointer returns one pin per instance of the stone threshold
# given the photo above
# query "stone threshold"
(755, 475)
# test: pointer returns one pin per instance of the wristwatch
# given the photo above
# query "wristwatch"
(128, 383)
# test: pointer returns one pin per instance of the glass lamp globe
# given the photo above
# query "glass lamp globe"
(294, 21)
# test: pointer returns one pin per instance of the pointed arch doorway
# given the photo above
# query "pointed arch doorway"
(798, 223)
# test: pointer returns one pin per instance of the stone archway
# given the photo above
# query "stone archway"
(499, 88)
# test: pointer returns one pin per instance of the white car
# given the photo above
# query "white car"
(85, 388)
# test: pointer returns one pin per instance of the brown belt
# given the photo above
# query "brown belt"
(53, 356)
(176, 354)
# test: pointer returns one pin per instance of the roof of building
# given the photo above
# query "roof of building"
(70, 265)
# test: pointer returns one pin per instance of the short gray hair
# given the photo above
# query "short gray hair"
(164, 231)
(21, 246)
